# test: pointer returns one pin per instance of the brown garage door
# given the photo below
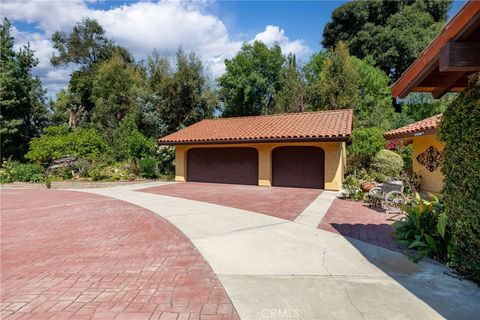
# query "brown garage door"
(301, 167)
(223, 165)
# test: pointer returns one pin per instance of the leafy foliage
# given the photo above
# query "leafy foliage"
(366, 143)
(374, 107)
(22, 98)
(425, 229)
(460, 129)
(59, 141)
(351, 185)
(337, 87)
(176, 97)
(148, 167)
(15, 171)
(393, 32)
(387, 163)
(251, 79)
(166, 160)
(291, 96)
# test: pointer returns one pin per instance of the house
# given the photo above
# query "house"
(427, 151)
(444, 66)
(289, 150)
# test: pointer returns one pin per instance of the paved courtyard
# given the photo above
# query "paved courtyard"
(71, 255)
(357, 220)
(119, 253)
(284, 203)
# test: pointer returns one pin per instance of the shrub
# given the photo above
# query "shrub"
(424, 229)
(15, 171)
(351, 185)
(148, 167)
(58, 141)
(387, 163)
(366, 143)
(407, 156)
(166, 160)
(460, 129)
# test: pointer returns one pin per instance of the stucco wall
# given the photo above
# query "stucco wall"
(431, 181)
(334, 160)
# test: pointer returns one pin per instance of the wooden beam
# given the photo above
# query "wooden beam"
(447, 84)
(460, 56)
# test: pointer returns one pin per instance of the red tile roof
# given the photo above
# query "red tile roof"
(333, 125)
(419, 128)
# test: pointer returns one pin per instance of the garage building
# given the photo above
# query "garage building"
(305, 150)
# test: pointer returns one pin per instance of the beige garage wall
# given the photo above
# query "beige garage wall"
(431, 181)
(335, 160)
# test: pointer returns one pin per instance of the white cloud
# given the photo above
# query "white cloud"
(141, 27)
(275, 35)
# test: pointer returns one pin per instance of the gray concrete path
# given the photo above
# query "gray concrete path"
(315, 212)
(277, 269)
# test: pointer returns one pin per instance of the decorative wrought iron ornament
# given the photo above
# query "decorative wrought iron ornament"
(430, 158)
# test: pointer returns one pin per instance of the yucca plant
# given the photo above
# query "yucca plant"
(424, 228)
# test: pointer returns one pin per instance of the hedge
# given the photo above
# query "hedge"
(460, 129)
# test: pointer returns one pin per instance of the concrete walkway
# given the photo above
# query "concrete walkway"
(278, 269)
(314, 213)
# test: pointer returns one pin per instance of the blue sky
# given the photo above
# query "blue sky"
(214, 29)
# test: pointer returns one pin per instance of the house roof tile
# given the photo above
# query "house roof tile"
(306, 126)
(423, 127)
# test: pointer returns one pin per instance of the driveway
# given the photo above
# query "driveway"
(275, 268)
(284, 203)
(72, 255)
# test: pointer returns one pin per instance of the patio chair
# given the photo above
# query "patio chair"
(388, 195)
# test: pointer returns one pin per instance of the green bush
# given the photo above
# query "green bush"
(407, 156)
(387, 163)
(59, 141)
(166, 160)
(351, 186)
(424, 229)
(460, 129)
(15, 171)
(148, 167)
(366, 143)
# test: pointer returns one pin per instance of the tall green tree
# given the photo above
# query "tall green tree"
(392, 32)
(251, 80)
(374, 107)
(86, 46)
(292, 94)
(176, 97)
(22, 98)
(337, 87)
(115, 88)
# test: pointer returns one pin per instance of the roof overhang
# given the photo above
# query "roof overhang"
(410, 135)
(244, 141)
(445, 65)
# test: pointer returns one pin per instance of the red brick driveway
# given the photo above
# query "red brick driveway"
(284, 203)
(71, 255)
(356, 220)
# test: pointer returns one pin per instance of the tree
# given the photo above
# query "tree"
(175, 97)
(392, 32)
(251, 80)
(115, 88)
(337, 87)
(314, 66)
(374, 107)
(86, 46)
(366, 143)
(22, 98)
(292, 94)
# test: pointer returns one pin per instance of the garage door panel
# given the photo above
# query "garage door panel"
(223, 165)
(298, 166)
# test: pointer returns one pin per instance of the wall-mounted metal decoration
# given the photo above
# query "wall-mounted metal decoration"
(430, 158)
